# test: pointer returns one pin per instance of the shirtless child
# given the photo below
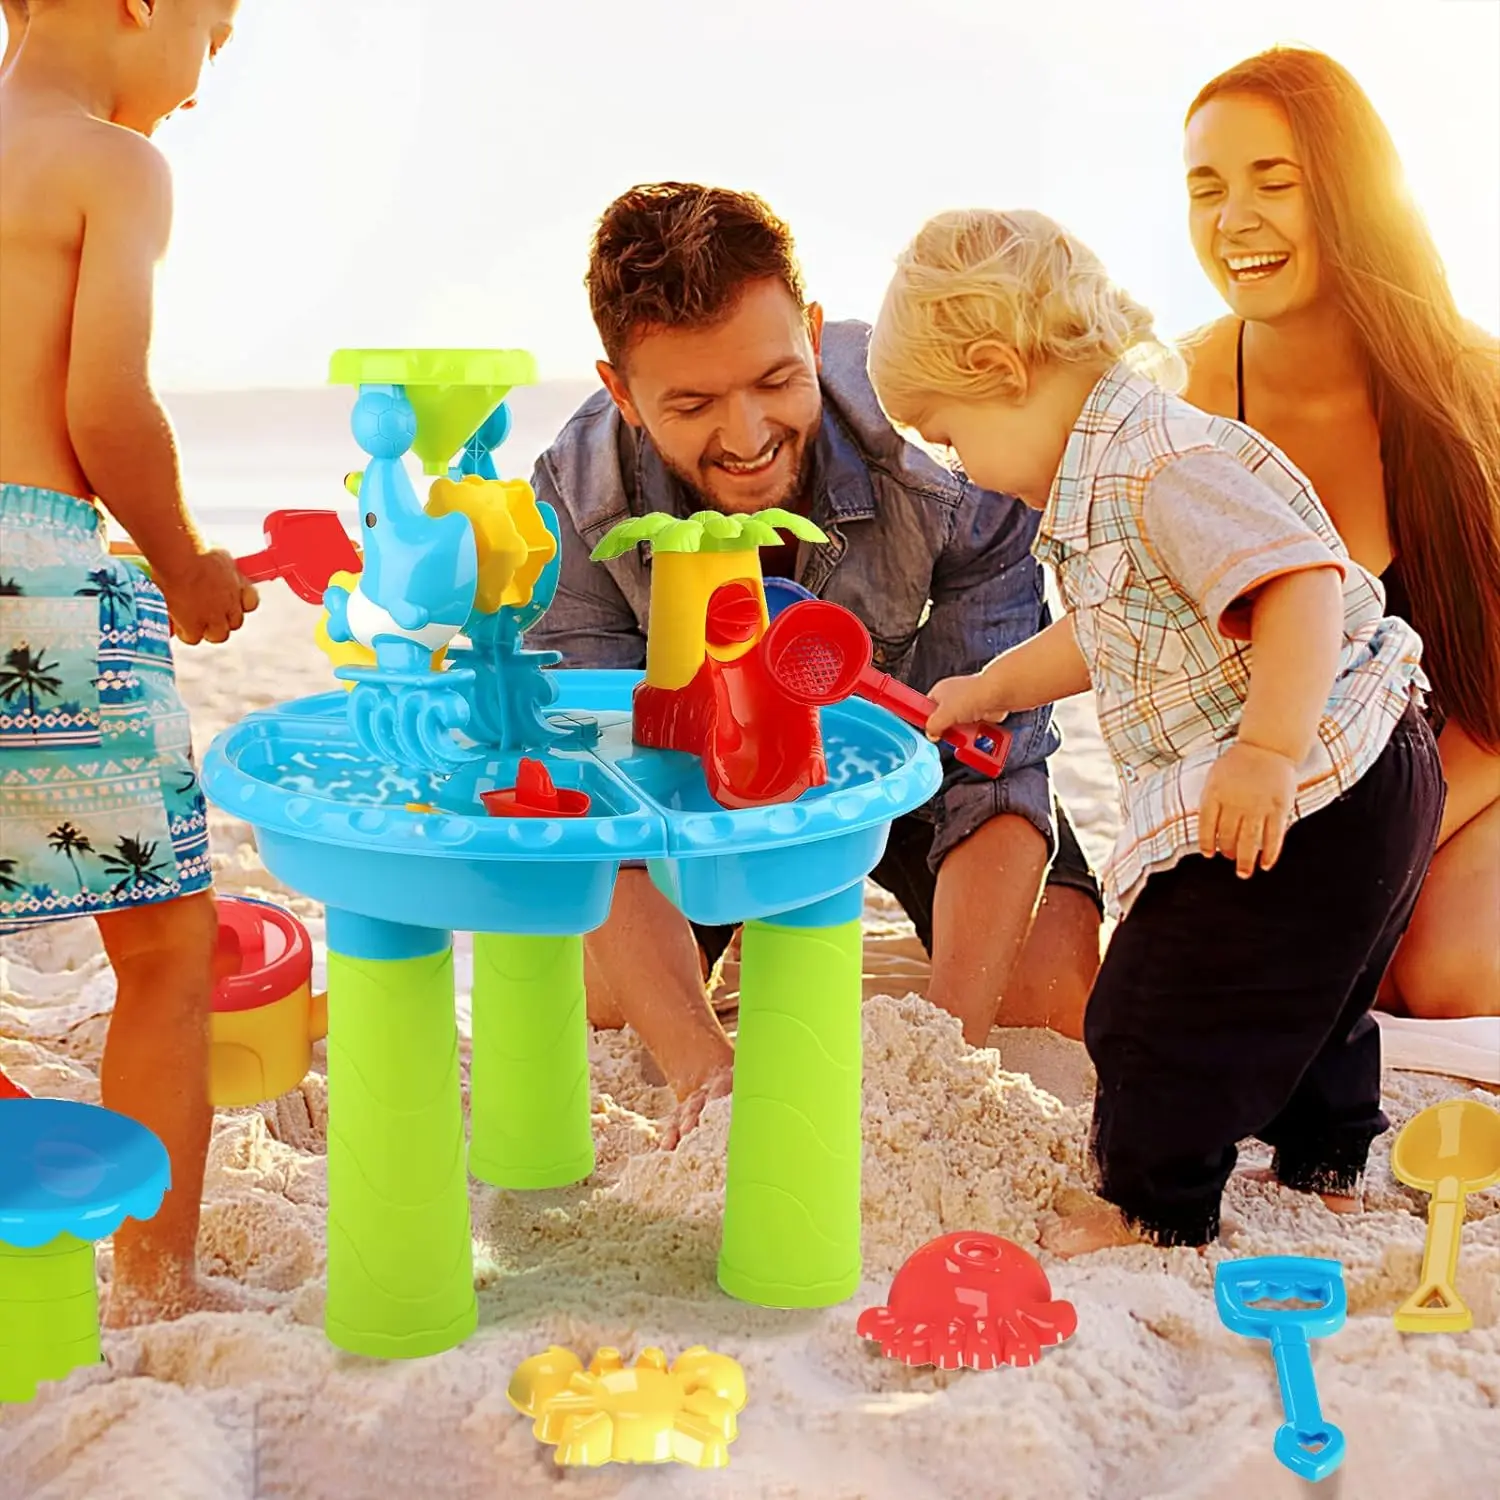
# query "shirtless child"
(108, 820)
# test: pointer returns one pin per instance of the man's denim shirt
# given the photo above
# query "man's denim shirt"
(902, 531)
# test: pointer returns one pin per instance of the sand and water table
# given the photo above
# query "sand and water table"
(372, 799)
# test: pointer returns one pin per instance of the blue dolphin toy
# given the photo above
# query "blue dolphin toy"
(420, 571)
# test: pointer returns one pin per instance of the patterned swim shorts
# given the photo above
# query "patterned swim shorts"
(100, 808)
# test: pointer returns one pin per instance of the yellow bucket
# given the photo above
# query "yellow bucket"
(265, 1015)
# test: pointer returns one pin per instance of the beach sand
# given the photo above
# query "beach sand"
(1152, 1397)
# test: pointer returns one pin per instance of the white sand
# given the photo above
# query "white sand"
(1151, 1398)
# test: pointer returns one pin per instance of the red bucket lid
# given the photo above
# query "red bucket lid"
(266, 951)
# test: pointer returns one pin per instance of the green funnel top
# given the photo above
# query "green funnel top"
(451, 391)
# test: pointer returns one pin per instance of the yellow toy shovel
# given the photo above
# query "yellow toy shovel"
(1449, 1150)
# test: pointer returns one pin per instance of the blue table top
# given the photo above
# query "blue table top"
(68, 1168)
(411, 848)
(296, 769)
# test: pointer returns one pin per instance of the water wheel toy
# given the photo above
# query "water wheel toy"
(646, 1413)
(70, 1174)
(305, 547)
(534, 796)
(265, 1016)
(1288, 1300)
(1449, 1150)
(969, 1300)
(819, 653)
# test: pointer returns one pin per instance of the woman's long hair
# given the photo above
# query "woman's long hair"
(1434, 379)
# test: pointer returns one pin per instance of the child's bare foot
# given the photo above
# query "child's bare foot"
(176, 1296)
(1335, 1203)
(1102, 1228)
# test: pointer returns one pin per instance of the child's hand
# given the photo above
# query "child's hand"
(1247, 803)
(965, 700)
(208, 600)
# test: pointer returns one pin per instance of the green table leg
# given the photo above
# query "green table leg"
(400, 1256)
(529, 1083)
(49, 1314)
(791, 1203)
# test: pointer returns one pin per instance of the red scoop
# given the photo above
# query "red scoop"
(820, 653)
(972, 1300)
(305, 547)
(9, 1090)
(534, 796)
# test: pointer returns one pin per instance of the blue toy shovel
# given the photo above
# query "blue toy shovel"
(1305, 1443)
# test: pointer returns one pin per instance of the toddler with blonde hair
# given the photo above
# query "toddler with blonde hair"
(1280, 790)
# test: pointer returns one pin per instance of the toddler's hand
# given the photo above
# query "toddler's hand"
(208, 600)
(1247, 803)
(963, 700)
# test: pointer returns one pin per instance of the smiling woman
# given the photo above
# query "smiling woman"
(1346, 349)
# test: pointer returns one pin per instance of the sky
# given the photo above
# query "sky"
(428, 172)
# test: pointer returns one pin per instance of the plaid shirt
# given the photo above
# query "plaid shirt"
(1160, 520)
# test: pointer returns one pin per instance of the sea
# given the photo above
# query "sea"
(246, 453)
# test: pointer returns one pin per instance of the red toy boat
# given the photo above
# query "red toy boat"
(534, 796)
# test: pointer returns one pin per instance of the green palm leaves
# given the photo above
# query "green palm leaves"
(706, 531)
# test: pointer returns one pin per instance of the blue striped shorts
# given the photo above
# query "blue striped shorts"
(100, 808)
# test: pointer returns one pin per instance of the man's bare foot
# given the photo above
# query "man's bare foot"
(1102, 1228)
(1335, 1203)
(689, 1111)
(176, 1296)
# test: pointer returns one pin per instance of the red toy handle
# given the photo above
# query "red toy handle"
(819, 653)
(982, 747)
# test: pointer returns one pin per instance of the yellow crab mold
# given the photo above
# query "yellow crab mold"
(646, 1413)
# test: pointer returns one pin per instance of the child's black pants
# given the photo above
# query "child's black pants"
(1229, 1008)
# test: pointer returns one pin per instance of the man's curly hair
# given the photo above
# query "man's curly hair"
(676, 255)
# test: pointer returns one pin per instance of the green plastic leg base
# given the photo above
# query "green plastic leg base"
(529, 1111)
(791, 1201)
(786, 1294)
(400, 1256)
(356, 1338)
(49, 1314)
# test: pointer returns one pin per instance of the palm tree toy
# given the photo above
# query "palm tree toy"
(690, 559)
